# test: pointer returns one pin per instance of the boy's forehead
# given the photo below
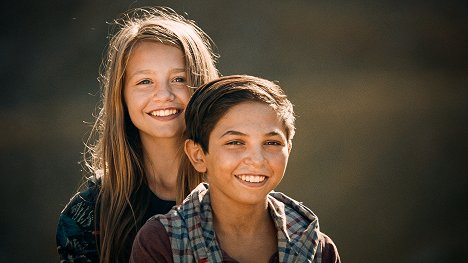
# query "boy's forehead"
(250, 118)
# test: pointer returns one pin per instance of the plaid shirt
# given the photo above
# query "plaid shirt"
(192, 236)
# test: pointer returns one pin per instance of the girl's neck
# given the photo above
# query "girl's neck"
(161, 160)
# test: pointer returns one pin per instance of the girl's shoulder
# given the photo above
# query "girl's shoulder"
(77, 229)
(81, 206)
(88, 195)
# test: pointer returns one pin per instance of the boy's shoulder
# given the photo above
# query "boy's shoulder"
(329, 249)
(290, 205)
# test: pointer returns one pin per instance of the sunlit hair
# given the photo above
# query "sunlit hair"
(114, 152)
(213, 100)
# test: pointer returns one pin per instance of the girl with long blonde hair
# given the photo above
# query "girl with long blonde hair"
(135, 149)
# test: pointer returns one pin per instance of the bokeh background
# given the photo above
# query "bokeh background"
(380, 89)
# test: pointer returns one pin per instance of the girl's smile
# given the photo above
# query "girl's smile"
(156, 91)
(165, 114)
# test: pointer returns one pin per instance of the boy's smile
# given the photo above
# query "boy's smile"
(247, 154)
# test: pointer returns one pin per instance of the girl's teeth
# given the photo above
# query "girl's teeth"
(163, 113)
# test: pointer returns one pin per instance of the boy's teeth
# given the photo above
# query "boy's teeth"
(252, 178)
(163, 113)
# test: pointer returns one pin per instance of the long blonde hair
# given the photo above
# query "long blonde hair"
(114, 152)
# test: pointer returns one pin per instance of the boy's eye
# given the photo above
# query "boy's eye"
(234, 143)
(274, 143)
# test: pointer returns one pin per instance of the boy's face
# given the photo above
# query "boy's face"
(247, 155)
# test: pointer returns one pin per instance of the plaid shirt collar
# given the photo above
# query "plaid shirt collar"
(296, 224)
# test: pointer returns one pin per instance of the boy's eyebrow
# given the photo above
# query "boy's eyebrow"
(273, 133)
(231, 132)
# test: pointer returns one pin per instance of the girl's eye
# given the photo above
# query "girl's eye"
(144, 82)
(179, 80)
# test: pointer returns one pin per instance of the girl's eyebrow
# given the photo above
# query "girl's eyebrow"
(141, 72)
(178, 70)
(150, 71)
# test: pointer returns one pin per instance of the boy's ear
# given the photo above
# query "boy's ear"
(196, 155)
(289, 147)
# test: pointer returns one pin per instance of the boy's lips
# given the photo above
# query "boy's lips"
(251, 178)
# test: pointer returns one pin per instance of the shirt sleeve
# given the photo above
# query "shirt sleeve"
(152, 244)
(329, 250)
(75, 236)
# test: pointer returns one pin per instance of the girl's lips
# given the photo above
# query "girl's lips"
(164, 112)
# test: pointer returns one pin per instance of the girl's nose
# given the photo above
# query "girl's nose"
(163, 92)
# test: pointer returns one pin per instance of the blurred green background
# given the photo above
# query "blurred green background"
(380, 89)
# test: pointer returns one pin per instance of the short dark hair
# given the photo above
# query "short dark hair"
(213, 100)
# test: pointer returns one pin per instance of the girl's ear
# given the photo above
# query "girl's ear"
(196, 155)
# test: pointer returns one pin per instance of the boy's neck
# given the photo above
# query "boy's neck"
(246, 232)
(242, 219)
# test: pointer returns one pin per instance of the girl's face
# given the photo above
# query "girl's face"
(156, 91)
(247, 154)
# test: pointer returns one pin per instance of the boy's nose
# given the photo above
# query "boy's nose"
(255, 156)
